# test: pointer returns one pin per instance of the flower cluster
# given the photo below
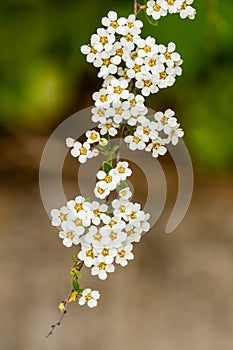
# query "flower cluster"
(160, 8)
(109, 181)
(106, 233)
(132, 68)
(152, 134)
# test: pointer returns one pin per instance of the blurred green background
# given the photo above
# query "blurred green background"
(44, 77)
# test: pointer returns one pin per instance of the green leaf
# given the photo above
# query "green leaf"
(75, 285)
(74, 258)
(130, 129)
(122, 185)
(78, 274)
(80, 292)
(106, 167)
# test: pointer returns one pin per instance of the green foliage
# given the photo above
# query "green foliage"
(75, 285)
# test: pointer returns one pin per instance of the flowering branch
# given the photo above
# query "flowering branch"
(132, 68)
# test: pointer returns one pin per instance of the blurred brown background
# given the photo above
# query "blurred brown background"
(178, 292)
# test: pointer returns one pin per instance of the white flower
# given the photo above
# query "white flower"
(70, 142)
(125, 193)
(89, 297)
(144, 224)
(147, 47)
(98, 210)
(98, 238)
(101, 269)
(157, 148)
(103, 40)
(91, 53)
(81, 218)
(136, 107)
(186, 10)
(166, 78)
(102, 99)
(112, 179)
(87, 255)
(168, 54)
(58, 216)
(106, 255)
(103, 142)
(147, 129)
(147, 83)
(117, 238)
(100, 115)
(166, 118)
(124, 254)
(156, 9)
(119, 53)
(135, 142)
(117, 89)
(174, 133)
(82, 151)
(119, 208)
(101, 190)
(104, 62)
(132, 26)
(109, 127)
(92, 136)
(114, 223)
(174, 5)
(134, 234)
(70, 237)
(112, 22)
(121, 112)
(122, 170)
(135, 214)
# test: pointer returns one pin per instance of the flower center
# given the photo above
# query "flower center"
(122, 253)
(113, 236)
(114, 24)
(146, 130)
(78, 222)
(122, 209)
(163, 75)
(133, 215)
(118, 90)
(137, 68)
(112, 223)
(133, 102)
(119, 110)
(90, 254)
(100, 190)
(106, 62)
(102, 266)
(70, 235)
(152, 62)
(78, 207)
(96, 212)
(97, 237)
(164, 120)
(93, 136)
(157, 7)
(93, 50)
(136, 139)
(130, 24)
(134, 56)
(120, 52)
(103, 40)
(184, 5)
(147, 83)
(130, 232)
(167, 55)
(83, 151)
(101, 112)
(108, 179)
(129, 37)
(63, 217)
(88, 297)
(170, 2)
(121, 170)
(108, 125)
(103, 98)
(147, 49)
(105, 252)
(156, 145)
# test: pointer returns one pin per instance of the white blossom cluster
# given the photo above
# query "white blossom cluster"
(161, 8)
(152, 134)
(109, 181)
(121, 54)
(106, 233)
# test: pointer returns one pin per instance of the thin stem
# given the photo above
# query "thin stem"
(136, 7)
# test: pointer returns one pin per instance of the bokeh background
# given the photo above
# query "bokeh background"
(177, 294)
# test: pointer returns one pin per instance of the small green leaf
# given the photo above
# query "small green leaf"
(122, 185)
(74, 258)
(75, 285)
(78, 274)
(80, 292)
(106, 167)
(130, 129)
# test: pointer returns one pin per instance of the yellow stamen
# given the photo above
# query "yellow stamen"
(97, 237)
(108, 179)
(157, 8)
(163, 75)
(105, 252)
(103, 40)
(136, 139)
(121, 170)
(147, 83)
(113, 236)
(103, 98)
(102, 266)
(70, 235)
(122, 253)
(129, 37)
(147, 49)
(137, 68)
(118, 90)
(78, 207)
